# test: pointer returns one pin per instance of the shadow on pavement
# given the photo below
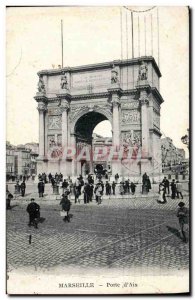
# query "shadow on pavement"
(41, 220)
(174, 231)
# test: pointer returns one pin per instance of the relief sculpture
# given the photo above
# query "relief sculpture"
(129, 117)
(54, 122)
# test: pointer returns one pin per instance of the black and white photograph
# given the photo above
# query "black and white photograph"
(97, 150)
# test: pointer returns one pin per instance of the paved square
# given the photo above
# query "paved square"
(134, 233)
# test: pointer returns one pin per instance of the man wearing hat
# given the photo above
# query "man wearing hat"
(34, 213)
(41, 188)
(65, 202)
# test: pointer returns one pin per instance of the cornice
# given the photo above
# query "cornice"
(103, 65)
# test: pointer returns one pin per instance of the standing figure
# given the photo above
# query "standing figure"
(86, 191)
(143, 71)
(162, 193)
(144, 178)
(64, 81)
(9, 196)
(41, 188)
(98, 192)
(182, 214)
(107, 188)
(121, 188)
(34, 213)
(173, 189)
(77, 190)
(132, 186)
(65, 185)
(65, 202)
(166, 184)
(91, 191)
(148, 183)
(23, 188)
(41, 85)
(113, 187)
(179, 189)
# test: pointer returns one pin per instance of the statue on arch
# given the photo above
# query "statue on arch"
(41, 85)
(143, 71)
(64, 81)
(114, 74)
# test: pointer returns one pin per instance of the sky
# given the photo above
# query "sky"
(92, 35)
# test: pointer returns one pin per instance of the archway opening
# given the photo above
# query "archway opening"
(93, 130)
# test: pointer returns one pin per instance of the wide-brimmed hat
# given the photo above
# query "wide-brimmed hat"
(181, 204)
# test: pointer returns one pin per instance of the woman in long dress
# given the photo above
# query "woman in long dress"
(162, 198)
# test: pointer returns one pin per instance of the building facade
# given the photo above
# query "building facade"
(72, 101)
(173, 158)
(21, 159)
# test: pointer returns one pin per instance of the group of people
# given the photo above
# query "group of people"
(164, 190)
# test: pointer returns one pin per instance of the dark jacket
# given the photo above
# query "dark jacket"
(65, 202)
(41, 187)
(33, 208)
(23, 186)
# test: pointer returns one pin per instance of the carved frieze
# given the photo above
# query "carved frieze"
(130, 105)
(54, 111)
(54, 122)
(130, 117)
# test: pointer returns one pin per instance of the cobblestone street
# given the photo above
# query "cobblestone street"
(136, 233)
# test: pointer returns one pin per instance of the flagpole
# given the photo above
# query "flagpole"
(62, 42)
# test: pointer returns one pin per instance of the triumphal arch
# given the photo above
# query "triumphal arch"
(72, 101)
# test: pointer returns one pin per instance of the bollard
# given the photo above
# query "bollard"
(30, 238)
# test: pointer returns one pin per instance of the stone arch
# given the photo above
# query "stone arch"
(104, 110)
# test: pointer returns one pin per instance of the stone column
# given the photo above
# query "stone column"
(64, 108)
(115, 120)
(73, 147)
(115, 93)
(41, 108)
(145, 123)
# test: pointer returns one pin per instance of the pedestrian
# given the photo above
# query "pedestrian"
(33, 210)
(116, 177)
(162, 193)
(9, 196)
(179, 189)
(98, 192)
(166, 184)
(173, 189)
(91, 187)
(50, 177)
(65, 185)
(144, 178)
(77, 190)
(121, 188)
(86, 191)
(132, 186)
(182, 214)
(23, 188)
(41, 188)
(148, 183)
(113, 187)
(65, 202)
(107, 188)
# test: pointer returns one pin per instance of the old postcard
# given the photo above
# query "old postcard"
(97, 150)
